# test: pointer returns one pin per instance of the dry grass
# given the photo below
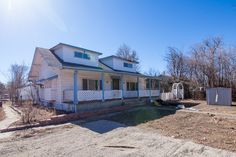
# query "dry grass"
(33, 113)
(2, 114)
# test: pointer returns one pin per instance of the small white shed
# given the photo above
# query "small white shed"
(219, 96)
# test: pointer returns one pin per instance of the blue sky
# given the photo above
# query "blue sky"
(148, 26)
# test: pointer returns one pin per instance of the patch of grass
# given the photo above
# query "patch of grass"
(140, 115)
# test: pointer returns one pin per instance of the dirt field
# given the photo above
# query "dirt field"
(204, 129)
(213, 126)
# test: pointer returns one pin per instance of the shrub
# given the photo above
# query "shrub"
(28, 113)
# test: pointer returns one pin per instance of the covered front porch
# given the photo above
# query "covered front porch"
(90, 85)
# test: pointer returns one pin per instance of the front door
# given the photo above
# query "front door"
(115, 84)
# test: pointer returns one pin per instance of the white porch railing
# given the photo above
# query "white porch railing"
(144, 93)
(112, 94)
(88, 95)
(130, 94)
(83, 95)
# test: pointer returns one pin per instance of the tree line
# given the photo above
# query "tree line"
(209, 63)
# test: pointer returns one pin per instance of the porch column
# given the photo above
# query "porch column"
(138, 87)
(102, 78)
(75, 90)
(122, 87)
(150, 87)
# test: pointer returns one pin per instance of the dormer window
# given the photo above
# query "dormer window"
(81, 55)
(128, 65)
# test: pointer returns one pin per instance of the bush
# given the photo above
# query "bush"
(28, 113)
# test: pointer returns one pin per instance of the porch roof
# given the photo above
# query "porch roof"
(108, 71)
(49, 78)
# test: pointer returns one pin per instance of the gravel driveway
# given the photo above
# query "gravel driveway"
(102, 138)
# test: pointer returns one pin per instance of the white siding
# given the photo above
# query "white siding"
(59, 97)
(118, 64)
(67, 54)
(59, 52)
(108, 61)
(46, 71)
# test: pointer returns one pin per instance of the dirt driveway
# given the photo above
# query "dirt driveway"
(11, 116)
(101, 138)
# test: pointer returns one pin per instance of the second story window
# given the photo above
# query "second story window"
(128, 65)
(81, 55)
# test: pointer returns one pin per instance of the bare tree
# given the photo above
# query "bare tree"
(207, 58)
(18, 78)
(152, 72)
(124, 51)
(2, 88)
(176, 63)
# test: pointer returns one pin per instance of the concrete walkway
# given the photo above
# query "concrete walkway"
(10, 116)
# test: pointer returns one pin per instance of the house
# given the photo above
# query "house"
(71, 75)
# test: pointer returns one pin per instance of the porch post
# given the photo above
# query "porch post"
(122, 87)
(138, 87)
(102, 78)
(150, 87)
(75, 90)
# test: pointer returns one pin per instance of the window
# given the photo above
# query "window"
(131, 86)
(154, 84)
(81, 55)
(92, 84)
(128, 65)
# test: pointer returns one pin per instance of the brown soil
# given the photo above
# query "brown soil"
(202, 127)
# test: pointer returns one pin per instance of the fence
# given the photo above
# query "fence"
(167, 96)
